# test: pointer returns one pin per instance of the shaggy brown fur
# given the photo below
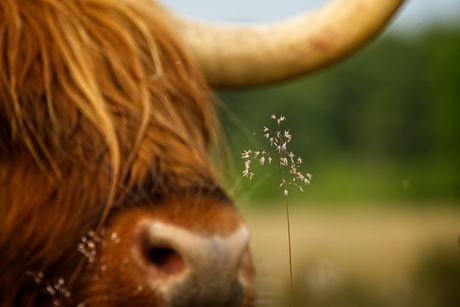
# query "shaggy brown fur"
(100, 109)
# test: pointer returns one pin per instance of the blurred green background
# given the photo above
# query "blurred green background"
(380, 132)
(383, 125)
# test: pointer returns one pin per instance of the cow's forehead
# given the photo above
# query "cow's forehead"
(100, 103)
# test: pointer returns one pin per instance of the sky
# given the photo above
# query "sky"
(414, 14)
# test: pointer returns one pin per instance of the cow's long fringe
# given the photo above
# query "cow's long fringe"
(98, 102)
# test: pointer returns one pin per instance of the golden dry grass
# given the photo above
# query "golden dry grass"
(379, 247)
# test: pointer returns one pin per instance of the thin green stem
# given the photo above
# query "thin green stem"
(291, 286)
(290, 253)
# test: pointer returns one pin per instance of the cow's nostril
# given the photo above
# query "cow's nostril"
(166, 260)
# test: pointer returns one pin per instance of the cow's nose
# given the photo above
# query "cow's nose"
(190, 269)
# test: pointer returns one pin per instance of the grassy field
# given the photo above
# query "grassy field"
(373, 251)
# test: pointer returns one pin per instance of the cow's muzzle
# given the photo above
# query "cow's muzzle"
(188, 269)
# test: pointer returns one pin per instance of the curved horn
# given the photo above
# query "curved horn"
(241, 56)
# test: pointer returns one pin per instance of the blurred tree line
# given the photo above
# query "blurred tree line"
(382, 125)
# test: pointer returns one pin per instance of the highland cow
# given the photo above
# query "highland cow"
(108, 194)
